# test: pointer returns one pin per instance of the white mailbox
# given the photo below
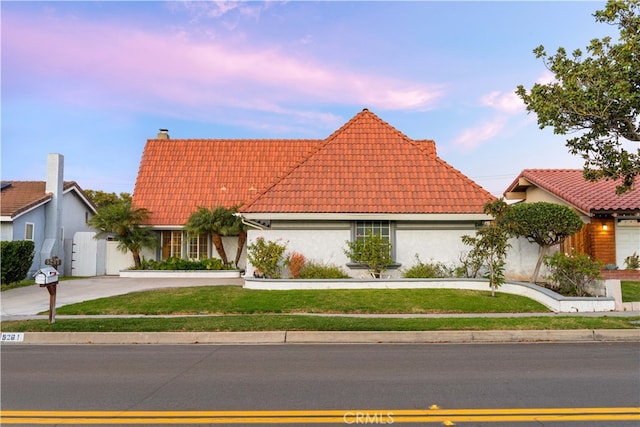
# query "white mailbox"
(46, 276)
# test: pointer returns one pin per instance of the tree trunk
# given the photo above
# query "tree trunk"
(217, 242)
(536, 271)
(242, 239)
(136, 259)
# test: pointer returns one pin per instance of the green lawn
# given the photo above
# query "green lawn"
(288, 322)
(630, 291)
(237, 300)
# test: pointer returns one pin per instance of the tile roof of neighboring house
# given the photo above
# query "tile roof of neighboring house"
(20, 196)
(570, 186)
(366, 166)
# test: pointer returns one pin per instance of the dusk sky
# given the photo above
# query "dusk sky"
(94, 80)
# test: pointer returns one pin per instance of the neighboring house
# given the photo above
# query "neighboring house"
(315, 195)
(612, 222)
(50, 213)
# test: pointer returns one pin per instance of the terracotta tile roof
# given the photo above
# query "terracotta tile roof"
(20, 196)
(365, 166)
(176, 176)
(570, 186)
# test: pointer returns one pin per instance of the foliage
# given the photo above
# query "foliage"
(572, 273)
(597, 97)
(17, 257)
(372, 250)
(490, 244)
(267, 257)
(544, 223)
(295, 261)
(125, 221)
(470, 265)
(632, 262)
(102, 199)
(427, 270)
(176, 263)
(315, 270)
(218, 222)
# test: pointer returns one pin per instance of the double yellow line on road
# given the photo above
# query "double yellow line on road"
(344, 417)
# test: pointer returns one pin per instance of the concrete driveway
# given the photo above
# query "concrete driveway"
(31, 300)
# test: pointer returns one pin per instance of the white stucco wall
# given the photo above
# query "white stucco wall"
(326, 245)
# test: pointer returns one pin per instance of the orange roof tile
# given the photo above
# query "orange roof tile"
(176, 176)
(570, 185)
(365, 166)
(20, 196)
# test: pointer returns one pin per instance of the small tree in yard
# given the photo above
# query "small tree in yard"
(546, 224)
(490, 245)
(267, 257)
(372, 250)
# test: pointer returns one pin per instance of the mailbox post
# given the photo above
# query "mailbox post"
(48, 277)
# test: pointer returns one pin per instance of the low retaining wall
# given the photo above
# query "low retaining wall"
(183, 274)
(548, 298)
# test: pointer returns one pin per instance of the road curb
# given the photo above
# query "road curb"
(326, 337)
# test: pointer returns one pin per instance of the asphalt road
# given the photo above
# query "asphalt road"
(345, 384)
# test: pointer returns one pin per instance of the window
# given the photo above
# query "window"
(28, 231)
(171, 244)
(383, 228)
(198, 247)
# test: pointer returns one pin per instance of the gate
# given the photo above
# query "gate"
(84, 254)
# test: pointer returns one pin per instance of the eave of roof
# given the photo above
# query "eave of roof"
(570, 186)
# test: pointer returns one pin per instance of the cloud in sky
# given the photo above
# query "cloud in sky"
(471, 138)
(129, 67)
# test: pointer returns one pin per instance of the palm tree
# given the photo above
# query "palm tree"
(240, 229)
(217, 221)
(124, 221)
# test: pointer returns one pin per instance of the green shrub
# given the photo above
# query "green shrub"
(266, 257)
(427, 270)
(372, 250)
(572, 273)
(176, 263)
(315, 270)
(16, 257)
(632, 262)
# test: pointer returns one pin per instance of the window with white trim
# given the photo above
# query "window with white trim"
(29, 230)
(198, 247)
(385, 229)
(171, 243)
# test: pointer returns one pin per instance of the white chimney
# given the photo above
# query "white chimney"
(52, 246)
(163, 134)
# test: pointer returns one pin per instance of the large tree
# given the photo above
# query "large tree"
(124, 220)
(596, 97)
(101, 198)
(546, 224)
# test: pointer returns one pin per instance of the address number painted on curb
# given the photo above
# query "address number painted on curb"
(12, 337)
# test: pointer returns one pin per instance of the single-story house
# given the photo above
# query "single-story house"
(314, 195)
(50, 213)
(612, 222)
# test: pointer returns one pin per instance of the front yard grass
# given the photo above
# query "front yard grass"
(237, 300)
(630, 290)
(286, 322)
